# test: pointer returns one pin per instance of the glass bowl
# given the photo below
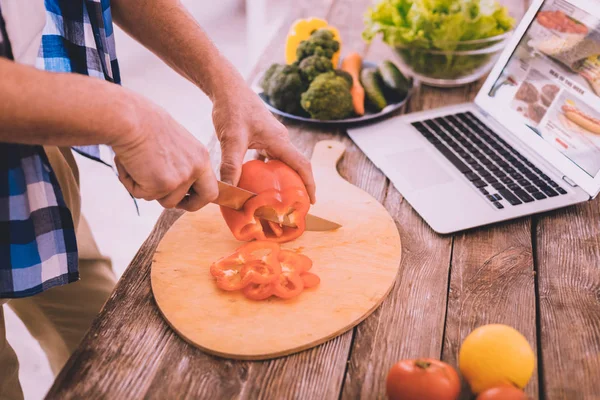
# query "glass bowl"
(469, 61)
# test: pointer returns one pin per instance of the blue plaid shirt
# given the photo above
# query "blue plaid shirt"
(38, 249)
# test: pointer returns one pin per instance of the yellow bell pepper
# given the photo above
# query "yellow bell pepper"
(301, 30)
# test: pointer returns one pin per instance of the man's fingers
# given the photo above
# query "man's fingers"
(204, 190)
(176, 196)
(232, 156)
(133, 188)
(287, 153)
(124, 177)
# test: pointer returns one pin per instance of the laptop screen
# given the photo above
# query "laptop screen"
(551, 82)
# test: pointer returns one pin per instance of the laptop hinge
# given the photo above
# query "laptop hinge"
(485, 113)
(569, 181)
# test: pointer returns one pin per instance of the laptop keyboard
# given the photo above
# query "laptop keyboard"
(500, 173)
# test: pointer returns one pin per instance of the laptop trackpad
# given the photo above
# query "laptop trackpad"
(418, 168)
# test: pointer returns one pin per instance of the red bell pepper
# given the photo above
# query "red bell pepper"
(261, 269)
(293, 265)
(277, 186)
(288, 285)
(291, 260)
(256, 291)
(256, 262)
(310, 280)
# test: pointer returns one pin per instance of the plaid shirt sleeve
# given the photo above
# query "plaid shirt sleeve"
(37, 238)
(38, 248)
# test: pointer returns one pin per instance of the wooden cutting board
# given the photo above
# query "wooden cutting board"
(357, 265)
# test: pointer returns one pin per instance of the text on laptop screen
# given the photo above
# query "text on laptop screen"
(552, 82)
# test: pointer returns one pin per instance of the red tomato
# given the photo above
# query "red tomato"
(422, 379)
(502, 393)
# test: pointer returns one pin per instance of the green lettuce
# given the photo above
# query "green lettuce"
(435, 24)
(426, 33)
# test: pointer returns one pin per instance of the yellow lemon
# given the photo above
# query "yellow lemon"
(494, 355)
(301, 30)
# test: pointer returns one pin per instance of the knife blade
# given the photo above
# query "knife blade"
(232, 196)
(235, 197)
(313, 223)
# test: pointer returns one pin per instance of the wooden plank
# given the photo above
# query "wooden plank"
(567, 254)
(131, 353)
(492, 281)
(410, 322)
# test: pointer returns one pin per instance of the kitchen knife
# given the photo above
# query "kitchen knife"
(235, 197)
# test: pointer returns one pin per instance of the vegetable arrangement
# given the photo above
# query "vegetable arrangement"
(496, 361)
(428, 33)
(310, 85)
(261, 269)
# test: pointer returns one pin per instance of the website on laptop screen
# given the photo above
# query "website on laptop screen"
(552, 82)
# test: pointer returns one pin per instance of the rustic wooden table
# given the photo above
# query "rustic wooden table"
(540, 275)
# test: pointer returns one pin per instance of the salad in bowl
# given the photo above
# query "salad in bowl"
(441, 42)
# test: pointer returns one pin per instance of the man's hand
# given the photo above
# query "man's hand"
(242, 122)
(158, 159)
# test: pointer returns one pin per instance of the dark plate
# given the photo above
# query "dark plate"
(354, 120)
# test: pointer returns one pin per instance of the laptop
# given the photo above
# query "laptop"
(529, 143)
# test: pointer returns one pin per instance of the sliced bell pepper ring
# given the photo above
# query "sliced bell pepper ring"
(261, 273)
(255, 262)
(260, 250)
(288, 285)
(229, 274)
(310, 280)
(256, 291)
(277, 186)
(289, 259)
(290, 282)
(261, 269)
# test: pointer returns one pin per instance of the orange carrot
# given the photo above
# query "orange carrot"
(352, 64)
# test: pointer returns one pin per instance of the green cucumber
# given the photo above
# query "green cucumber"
(374, 89)
(396, 85)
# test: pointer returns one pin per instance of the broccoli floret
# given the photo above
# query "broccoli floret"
(266, 79)
(285, 85)
(313, 66)
(320, 43)
(328, 97)
(345, 75)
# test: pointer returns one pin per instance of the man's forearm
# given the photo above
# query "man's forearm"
(166, 28)
(38, 107)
